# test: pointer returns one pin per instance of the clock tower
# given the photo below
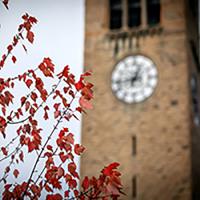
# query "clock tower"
(140, 55)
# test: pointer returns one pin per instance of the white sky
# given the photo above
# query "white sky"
(59, 35)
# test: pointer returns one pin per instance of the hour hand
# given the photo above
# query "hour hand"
(135, 77)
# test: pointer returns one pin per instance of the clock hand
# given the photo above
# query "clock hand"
(135, 77)
(131, 79)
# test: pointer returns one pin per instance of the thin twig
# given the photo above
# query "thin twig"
(45, 144)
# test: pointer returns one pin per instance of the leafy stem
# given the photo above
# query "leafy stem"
(45, 144)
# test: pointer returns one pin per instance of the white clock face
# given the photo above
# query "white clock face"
(134, 79)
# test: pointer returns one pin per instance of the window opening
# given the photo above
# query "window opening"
(134, 145)
(134, 187)
(115, 14)
(134, 13)
(153, 12)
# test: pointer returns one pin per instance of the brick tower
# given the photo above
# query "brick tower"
(138, 51)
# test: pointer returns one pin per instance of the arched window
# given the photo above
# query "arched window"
(115, 14)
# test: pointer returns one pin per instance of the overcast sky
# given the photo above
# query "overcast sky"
(59, 35)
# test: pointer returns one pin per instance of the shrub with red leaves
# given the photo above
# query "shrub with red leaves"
(58, 177)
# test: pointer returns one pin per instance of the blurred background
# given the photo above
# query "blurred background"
(145, 58)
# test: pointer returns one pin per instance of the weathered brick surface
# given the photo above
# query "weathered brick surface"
(161, 124)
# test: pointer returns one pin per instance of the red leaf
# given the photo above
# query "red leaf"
(48, 154)
(20, 111)
(71, 93)
(3, 110)
(109, 169)
(66, 193)
(76, 193)
(23, 99)
(54, 197)
(56, 106)
(78, 149)
(46, 116)
(72, 183)
(9, 47)
(84, 103)
(30, 36)
(79, 85)
(21, 156)
(47, 188)
(27, 25)
(32, 111)
(64, 73)
(14, 59)
(35, 189)
(70, 138)
(5, 2)
(7, 169)
(29, 83)
(49, 147)
(5, 152)
(58, 197)
(85, 183)
(79, 109)
(87, 91)
(34, 96)
(32, 20)
(63, 157)
(45, 70)
(16, 173)
(68, 177)
(2, 126)
(56, 114)
(46, 108)
(2, 63)
(112, 189)
(25, 17)
(60, 172)
(66, 89)
(15, 41)
(31, 146)
(4, 57)
(7, 186)
(27, 105)
(72, 167)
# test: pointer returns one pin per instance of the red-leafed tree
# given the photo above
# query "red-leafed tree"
(58, 177)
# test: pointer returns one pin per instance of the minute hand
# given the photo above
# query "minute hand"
(135, 77)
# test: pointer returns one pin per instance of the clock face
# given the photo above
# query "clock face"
(134, 79)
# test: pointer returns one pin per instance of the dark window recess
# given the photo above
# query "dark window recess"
(194, 85)
(194, 7)
(115, 14)
(195, 54)
(134, 187)
(134, 145)
(134, 13)
(153, 12)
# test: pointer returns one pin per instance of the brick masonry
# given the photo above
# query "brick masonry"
(161, 124)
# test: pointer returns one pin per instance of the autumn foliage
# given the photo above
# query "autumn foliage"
(58, 177)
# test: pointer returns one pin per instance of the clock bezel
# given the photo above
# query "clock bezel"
(133, 55)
